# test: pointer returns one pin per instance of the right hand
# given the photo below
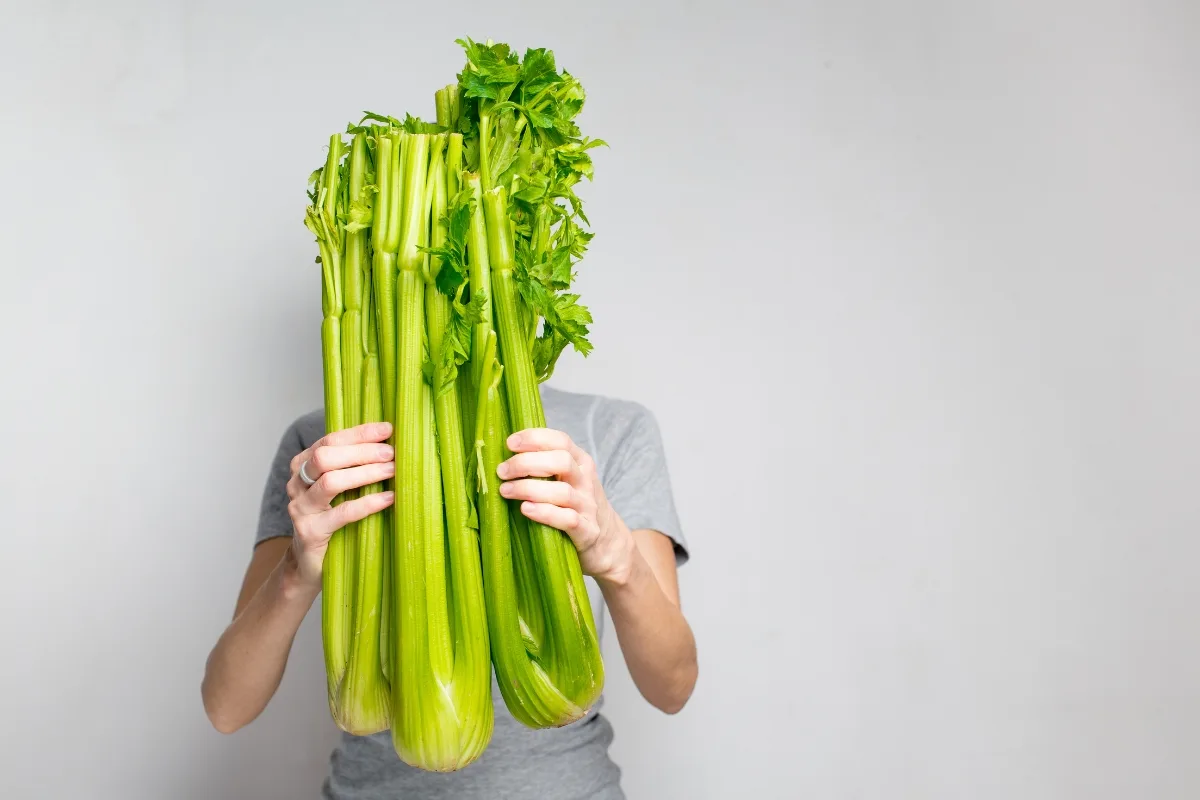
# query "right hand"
(338, 462)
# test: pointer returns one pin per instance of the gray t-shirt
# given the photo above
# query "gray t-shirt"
(562, 763)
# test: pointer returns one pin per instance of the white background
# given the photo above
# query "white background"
(911, 287)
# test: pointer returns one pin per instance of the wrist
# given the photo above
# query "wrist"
(294, 584)
(623, 560)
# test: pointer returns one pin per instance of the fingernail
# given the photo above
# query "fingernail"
(388, 495)
(502, 470)
(389, 467)
(514, 441)
(506, 489)
(387, 452)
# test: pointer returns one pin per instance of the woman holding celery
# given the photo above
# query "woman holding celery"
(435, 535)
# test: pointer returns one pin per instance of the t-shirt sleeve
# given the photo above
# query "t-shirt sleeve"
(273, 519)
(633, 470)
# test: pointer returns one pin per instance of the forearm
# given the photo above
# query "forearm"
(247, 663)
(655, 638)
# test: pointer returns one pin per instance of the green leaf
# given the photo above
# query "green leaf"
(533, 291)
(454, 268)
(413, 124)
(576, 239)
(472, 312)
(538, 70)
(475, 85)
(566, 127)
(386, 120)
(539, 118)
(453, 272)
(577, 207)
(507, 141)
(491, 73)
(546, 350)
(471, 154)
(458, 217)
(572, 321)
(560, 268)
(456, 340)
(570, 107)
(360, 216)
(533, 190)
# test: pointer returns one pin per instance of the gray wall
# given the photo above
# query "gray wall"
(911, 287)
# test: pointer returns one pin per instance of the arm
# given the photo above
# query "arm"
(284, 577)
(635, 569)
(655, 638)
(247, 663)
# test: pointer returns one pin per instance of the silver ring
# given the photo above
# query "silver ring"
(304, 475)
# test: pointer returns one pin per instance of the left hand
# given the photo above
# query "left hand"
(574, 502)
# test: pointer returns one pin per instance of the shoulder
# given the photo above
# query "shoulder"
(304, 430)
(607, 427)
(601, 414)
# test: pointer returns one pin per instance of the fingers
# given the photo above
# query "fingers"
(370, 432)
(340, 450)
(533, 439)
(558, 493)
(543, 464)
(318, 496)
(315, 529)
(343, 514)
(359, 434)
(330, 457)
(581, 529)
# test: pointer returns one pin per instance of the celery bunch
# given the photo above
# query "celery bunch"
(447, 253)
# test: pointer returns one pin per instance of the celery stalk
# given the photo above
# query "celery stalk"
(571, 651)
(441, 697)
(321, 219)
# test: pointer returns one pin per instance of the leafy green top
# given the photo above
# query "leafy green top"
(518, 120)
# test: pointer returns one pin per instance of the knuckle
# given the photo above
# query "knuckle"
(293, 509)
(573, 497)
(320, 457)
(337, 517)
(301, 531)
(327, 483)
(342, 515)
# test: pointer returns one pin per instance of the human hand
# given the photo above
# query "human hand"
(574, 502)
(337, 462)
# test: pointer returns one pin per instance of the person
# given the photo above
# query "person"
(610, 493)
